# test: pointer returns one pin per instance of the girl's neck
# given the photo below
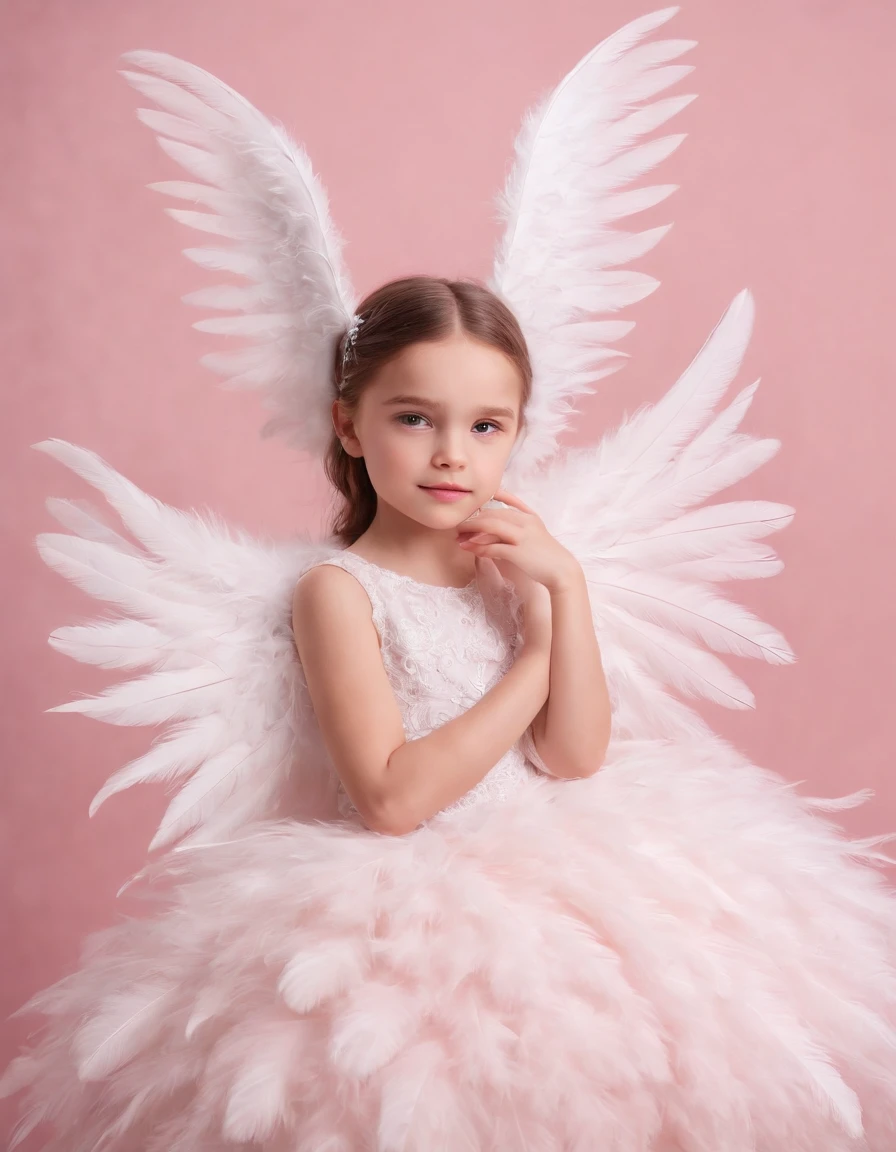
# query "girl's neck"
(429, 555)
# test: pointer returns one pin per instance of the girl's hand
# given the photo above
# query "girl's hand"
(516, 537)
(534, 599)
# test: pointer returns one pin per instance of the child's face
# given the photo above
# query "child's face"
(451, 433)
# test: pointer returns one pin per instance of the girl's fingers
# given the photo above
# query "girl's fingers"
(491, 551)
(488, 522)
(510, 498)
(501, 532)
(508, 515)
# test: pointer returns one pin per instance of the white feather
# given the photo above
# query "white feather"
(557, 263)
(627, 508)
(314, 975)
(264, 196)
(258, 1100)
(371, 1027)
(209, 618)
(126, 1022)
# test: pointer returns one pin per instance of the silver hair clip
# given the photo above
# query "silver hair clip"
(350, 340)
(350, 336)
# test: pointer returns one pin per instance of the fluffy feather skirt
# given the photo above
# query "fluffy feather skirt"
(679, 953)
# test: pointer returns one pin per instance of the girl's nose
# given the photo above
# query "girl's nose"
(449, 452)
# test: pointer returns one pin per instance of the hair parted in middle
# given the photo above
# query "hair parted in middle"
(394, 316)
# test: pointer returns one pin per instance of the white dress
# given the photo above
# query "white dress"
(443, 648)
(676, 954)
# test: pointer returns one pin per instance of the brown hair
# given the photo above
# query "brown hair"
(400, 313)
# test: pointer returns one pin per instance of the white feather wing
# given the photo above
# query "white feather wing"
(264, 198)
(632, 509)
(558, 260)
(205, 612)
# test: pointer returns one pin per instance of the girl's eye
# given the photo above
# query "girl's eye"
(416, 416)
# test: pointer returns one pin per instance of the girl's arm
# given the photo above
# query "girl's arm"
(397, 783)
(572, 730)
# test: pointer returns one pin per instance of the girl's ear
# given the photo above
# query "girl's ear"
(336, 416)
(345, 429)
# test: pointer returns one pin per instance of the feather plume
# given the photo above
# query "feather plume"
(558, 261)
(263, 195)
(206, 610)
(626, 507)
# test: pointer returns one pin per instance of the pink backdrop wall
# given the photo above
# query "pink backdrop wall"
(409, 112)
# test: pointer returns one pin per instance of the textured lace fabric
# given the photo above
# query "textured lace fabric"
(443, 648)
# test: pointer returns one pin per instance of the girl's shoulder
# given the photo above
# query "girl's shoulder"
(318, 571)
(324, 588)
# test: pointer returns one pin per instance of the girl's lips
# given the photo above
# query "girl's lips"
(448, 495)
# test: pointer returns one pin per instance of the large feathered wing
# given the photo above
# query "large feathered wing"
(558, 262)
(271, 211)
(205, 618)
(632, 509)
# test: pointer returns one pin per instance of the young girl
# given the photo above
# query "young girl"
(438, 405)
(439, 884)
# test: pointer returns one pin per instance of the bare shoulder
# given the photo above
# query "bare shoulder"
(332, 621)
(327, 597)
(353, 701)
(328, 584)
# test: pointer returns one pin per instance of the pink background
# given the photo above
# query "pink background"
(409, 112)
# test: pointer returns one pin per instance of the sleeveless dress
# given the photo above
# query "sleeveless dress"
(677, 954)
(443, 648)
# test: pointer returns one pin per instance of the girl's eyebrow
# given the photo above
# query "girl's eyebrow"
(437, 406)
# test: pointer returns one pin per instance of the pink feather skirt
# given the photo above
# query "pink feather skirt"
(678, 954)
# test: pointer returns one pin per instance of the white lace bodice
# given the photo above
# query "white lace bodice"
(443, 648)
